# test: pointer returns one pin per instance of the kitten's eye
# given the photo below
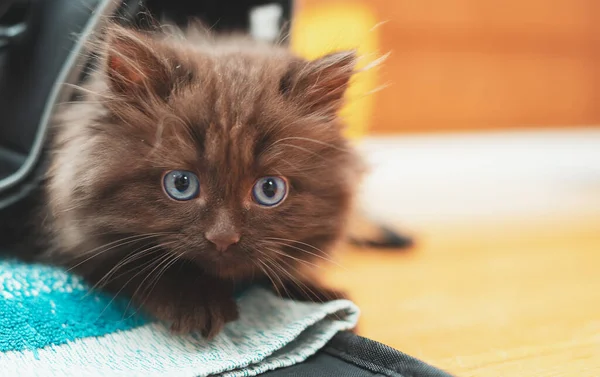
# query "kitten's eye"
(181, 185)
(269, 191)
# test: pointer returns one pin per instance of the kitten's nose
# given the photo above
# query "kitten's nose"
(223, 240)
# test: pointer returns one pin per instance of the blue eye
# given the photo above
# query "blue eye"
(181, 185)
(269, 191)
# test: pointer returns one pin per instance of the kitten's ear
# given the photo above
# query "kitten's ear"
(135, 66)
(319, 85)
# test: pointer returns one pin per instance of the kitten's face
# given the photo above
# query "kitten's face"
(228, 156)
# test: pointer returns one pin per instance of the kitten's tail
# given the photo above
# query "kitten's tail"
(365, 232)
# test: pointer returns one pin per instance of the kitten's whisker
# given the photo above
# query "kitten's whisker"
(292, 257)
(311, 140)
(81, 102)
(132, 256)
(282, 243)
(164, 262)
(274, 268)
(307, 252)
(87, 91)
(68, 209)
(106, 279)
(127, 282)
(301, 163)
(111, 245)
(147, 291)
(177, 257)
(131, 270)
(109, 232)
(135, 255)
(299, 283)
(294, 241)
(273, 274)
(305, 278)
(305, 150)
(156, 263)
(132, 238)
(261, 267)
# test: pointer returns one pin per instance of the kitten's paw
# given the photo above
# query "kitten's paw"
(207, 316)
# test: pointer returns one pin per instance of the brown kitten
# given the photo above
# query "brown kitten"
(194, 163)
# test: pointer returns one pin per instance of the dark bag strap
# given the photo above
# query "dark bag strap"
(350, 355)
(33, 72)
(14, 21)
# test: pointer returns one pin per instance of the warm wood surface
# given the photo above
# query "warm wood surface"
(515, 297)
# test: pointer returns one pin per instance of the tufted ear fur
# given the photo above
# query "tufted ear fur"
(136, 67)
(319, 85)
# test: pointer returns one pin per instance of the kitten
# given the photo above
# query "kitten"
(195, 163)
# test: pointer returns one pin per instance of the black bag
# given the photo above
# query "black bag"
(39, 54)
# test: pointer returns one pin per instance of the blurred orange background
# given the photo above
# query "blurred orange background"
(471, 64)
(507, 223)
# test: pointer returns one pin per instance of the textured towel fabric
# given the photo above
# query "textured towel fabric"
(51, 325)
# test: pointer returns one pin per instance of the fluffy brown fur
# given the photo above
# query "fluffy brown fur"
(230, 110)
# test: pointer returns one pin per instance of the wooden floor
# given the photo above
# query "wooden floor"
(514, 297)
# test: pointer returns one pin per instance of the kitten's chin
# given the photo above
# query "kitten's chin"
(225, 266)
(229, 271)
(234, 272)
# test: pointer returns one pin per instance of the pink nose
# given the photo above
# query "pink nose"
(223, 240)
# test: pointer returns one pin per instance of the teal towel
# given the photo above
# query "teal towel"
(52, 325)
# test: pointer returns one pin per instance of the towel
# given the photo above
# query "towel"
(52, 324)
